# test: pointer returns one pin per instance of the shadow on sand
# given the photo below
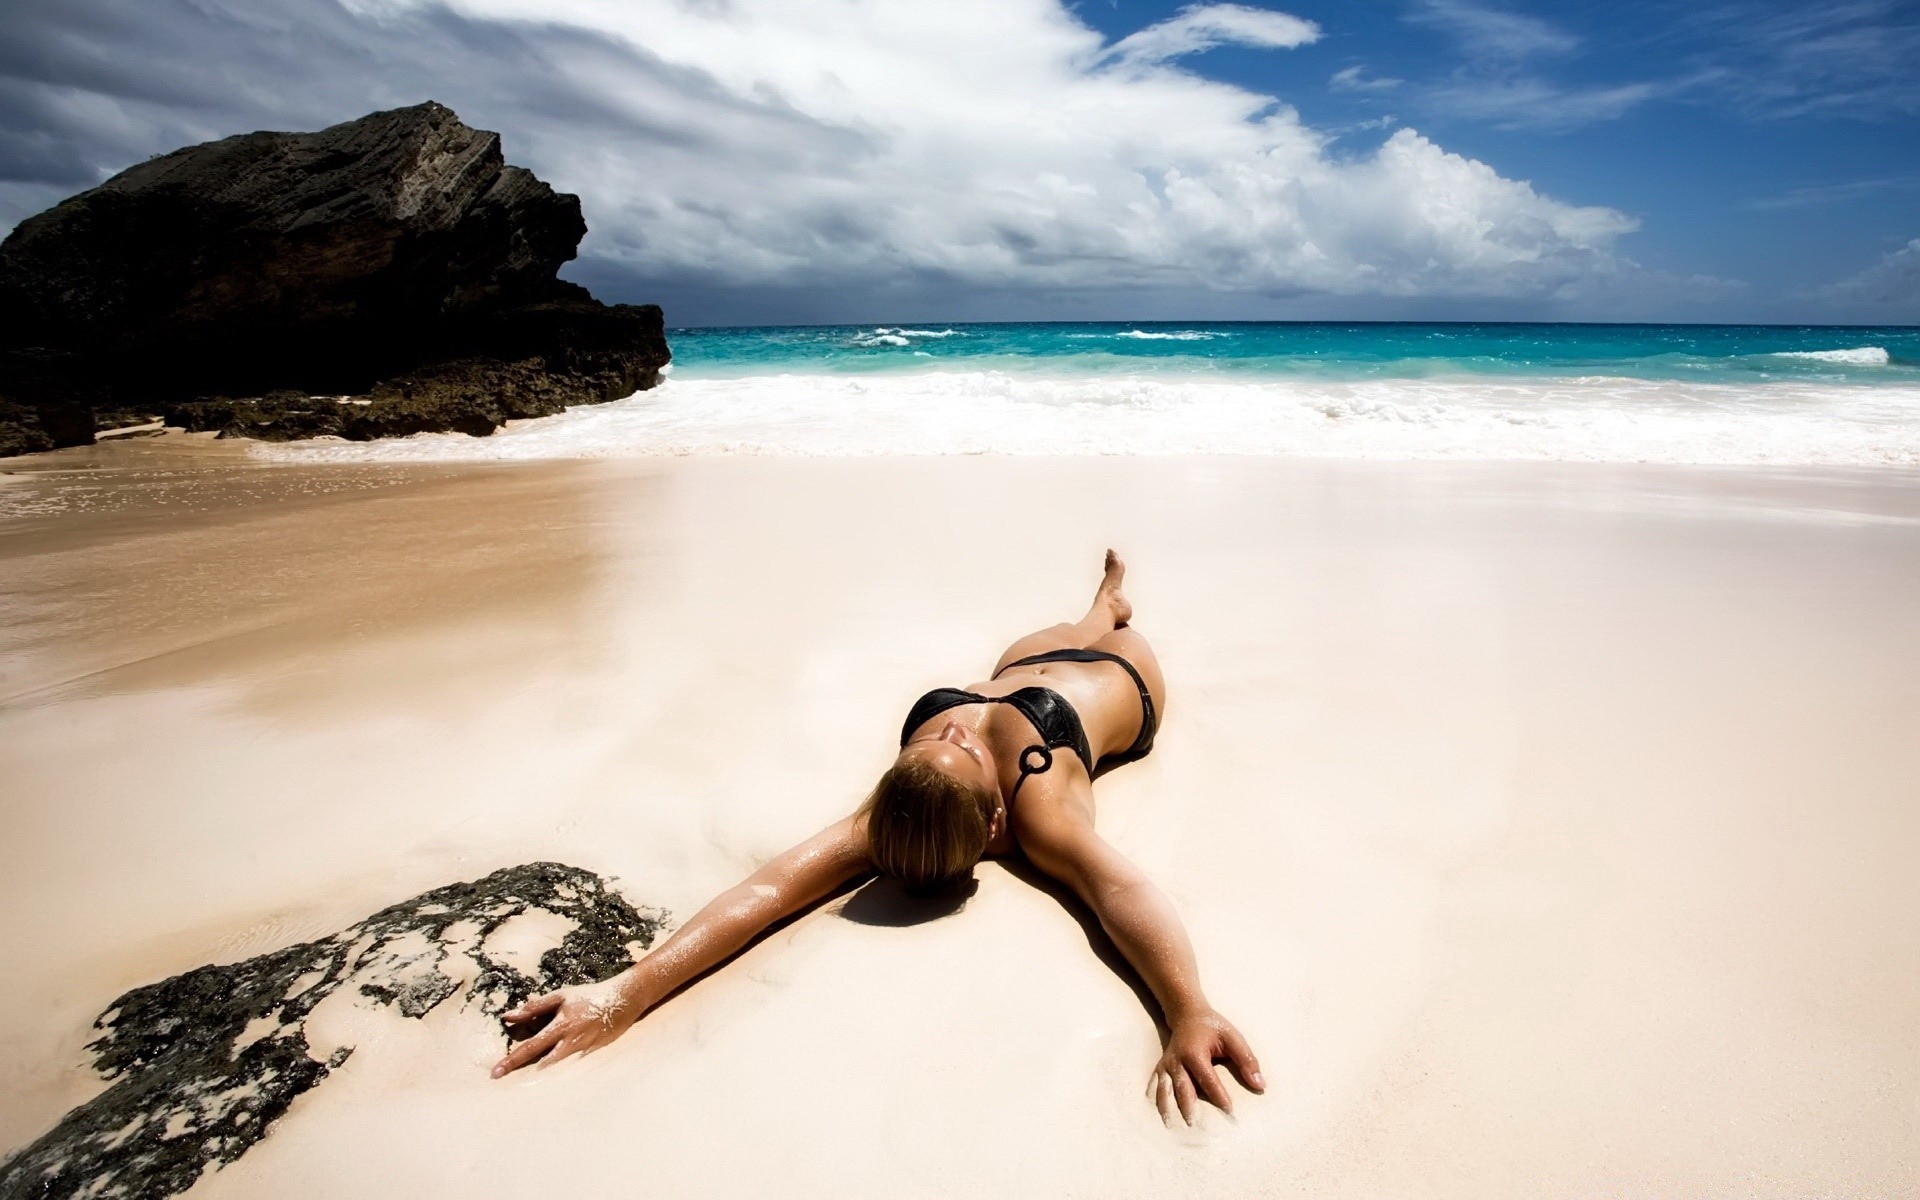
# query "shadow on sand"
(888, 902)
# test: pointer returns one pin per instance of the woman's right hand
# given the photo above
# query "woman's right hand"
(581, 1018)
(1185, 1071)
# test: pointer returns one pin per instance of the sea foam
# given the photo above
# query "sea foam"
(1151, 335)
(1585, 418)
(889, 336)
(1858, 356)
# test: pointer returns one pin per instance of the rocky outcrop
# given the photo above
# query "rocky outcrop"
(47, 398)
(395, 259)
(202, 1064)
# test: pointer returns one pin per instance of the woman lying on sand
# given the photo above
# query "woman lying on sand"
(971, 780)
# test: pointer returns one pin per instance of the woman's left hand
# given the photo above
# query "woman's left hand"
(1185, 1071)
(582, 1018)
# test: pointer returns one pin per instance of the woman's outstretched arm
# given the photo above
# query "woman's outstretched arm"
(1057, 835)
(593, 1014)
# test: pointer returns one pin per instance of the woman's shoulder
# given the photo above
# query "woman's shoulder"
(1063, 792)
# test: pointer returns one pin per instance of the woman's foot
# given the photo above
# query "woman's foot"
(1110, 595)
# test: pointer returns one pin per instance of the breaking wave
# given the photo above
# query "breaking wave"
(887, 336)
(1582, 418)
(1858, 356)
(1152, 335)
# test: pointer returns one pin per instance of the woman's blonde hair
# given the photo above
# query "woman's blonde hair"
(924, 827)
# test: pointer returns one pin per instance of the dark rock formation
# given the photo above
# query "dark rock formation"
(396, 258)
(203, 1063)
(47, 399)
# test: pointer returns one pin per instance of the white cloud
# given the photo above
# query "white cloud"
(1356, 79)
(1892, 284)
(1831, 193)
(1528, 103)
(1203, 26)
(1496, 84)
(847, 147)
(1851, 57)
(1486, 32)
(995, 150)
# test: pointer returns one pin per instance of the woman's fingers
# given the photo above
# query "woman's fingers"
(533, 1008)
(1183, 1093)
(1187, 1072)
(1246, 1068)
(527, 1051)
(577, 1043)
(1160, 1087)
(1201, 1069)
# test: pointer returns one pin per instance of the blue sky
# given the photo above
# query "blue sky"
(888, 160)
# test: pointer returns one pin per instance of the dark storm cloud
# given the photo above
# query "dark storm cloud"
(798, 159)
(88, 87)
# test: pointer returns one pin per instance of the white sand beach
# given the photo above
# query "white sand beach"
(1547, 828)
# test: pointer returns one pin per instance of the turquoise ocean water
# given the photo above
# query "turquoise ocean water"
(1805, 395)
(1290, 350)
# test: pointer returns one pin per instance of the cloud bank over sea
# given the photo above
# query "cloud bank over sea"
(1893, 281)
(994, 150)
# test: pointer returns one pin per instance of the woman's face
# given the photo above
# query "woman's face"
(957, 752)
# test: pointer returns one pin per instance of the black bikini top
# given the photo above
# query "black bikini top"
(1045, 709)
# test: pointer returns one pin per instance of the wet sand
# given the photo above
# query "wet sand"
(1546, 828)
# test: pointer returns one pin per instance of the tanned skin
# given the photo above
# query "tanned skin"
(1051, 825)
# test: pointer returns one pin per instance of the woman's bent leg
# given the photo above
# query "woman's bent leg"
(1109, 611)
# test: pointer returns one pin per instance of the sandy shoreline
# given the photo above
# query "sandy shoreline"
(1545, 826)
